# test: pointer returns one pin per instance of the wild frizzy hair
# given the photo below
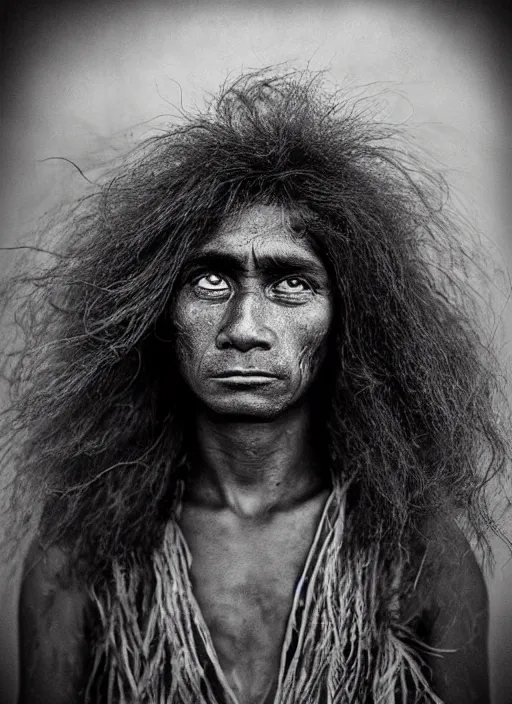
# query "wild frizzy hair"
(97, 430)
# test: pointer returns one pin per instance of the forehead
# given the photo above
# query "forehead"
(259, 230)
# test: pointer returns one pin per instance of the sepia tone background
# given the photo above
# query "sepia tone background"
(88, 81)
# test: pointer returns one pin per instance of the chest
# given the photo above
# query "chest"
(244, 578)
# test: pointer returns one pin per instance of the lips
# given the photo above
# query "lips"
(244, 373)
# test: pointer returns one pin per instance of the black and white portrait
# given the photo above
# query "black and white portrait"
(255, 434)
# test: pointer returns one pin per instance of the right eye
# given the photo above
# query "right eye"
(212, 285)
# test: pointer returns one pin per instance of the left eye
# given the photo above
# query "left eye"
(212, 282)
(292, 285)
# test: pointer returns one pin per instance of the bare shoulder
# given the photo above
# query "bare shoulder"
(453, 600)
(456, 581)
(52, 644)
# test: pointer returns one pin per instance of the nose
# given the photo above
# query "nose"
(246, 324)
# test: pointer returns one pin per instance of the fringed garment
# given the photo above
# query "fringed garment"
(344, 643)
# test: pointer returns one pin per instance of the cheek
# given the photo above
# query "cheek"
(195, 330)
(310, 356)
(312, 342)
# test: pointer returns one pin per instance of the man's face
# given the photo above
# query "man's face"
(252, 316)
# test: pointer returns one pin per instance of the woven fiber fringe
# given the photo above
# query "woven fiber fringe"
(348, 644)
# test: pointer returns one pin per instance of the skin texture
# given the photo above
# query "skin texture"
(244, 573)
(52, 619)
(255, 298)
(256, 491)
(454, 610)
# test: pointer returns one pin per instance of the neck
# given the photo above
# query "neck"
(254, 467)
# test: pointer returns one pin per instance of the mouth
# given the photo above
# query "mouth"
(243, 372)
(245, 376)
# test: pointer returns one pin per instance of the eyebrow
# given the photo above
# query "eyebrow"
(267, 263)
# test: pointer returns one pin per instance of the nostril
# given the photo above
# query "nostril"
(225, 340)
(247, 325)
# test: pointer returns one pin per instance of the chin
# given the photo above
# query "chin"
(246, 408)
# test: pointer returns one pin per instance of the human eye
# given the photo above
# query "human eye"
(293, 287)
(211, 285)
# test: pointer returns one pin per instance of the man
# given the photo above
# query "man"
(251, 415)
